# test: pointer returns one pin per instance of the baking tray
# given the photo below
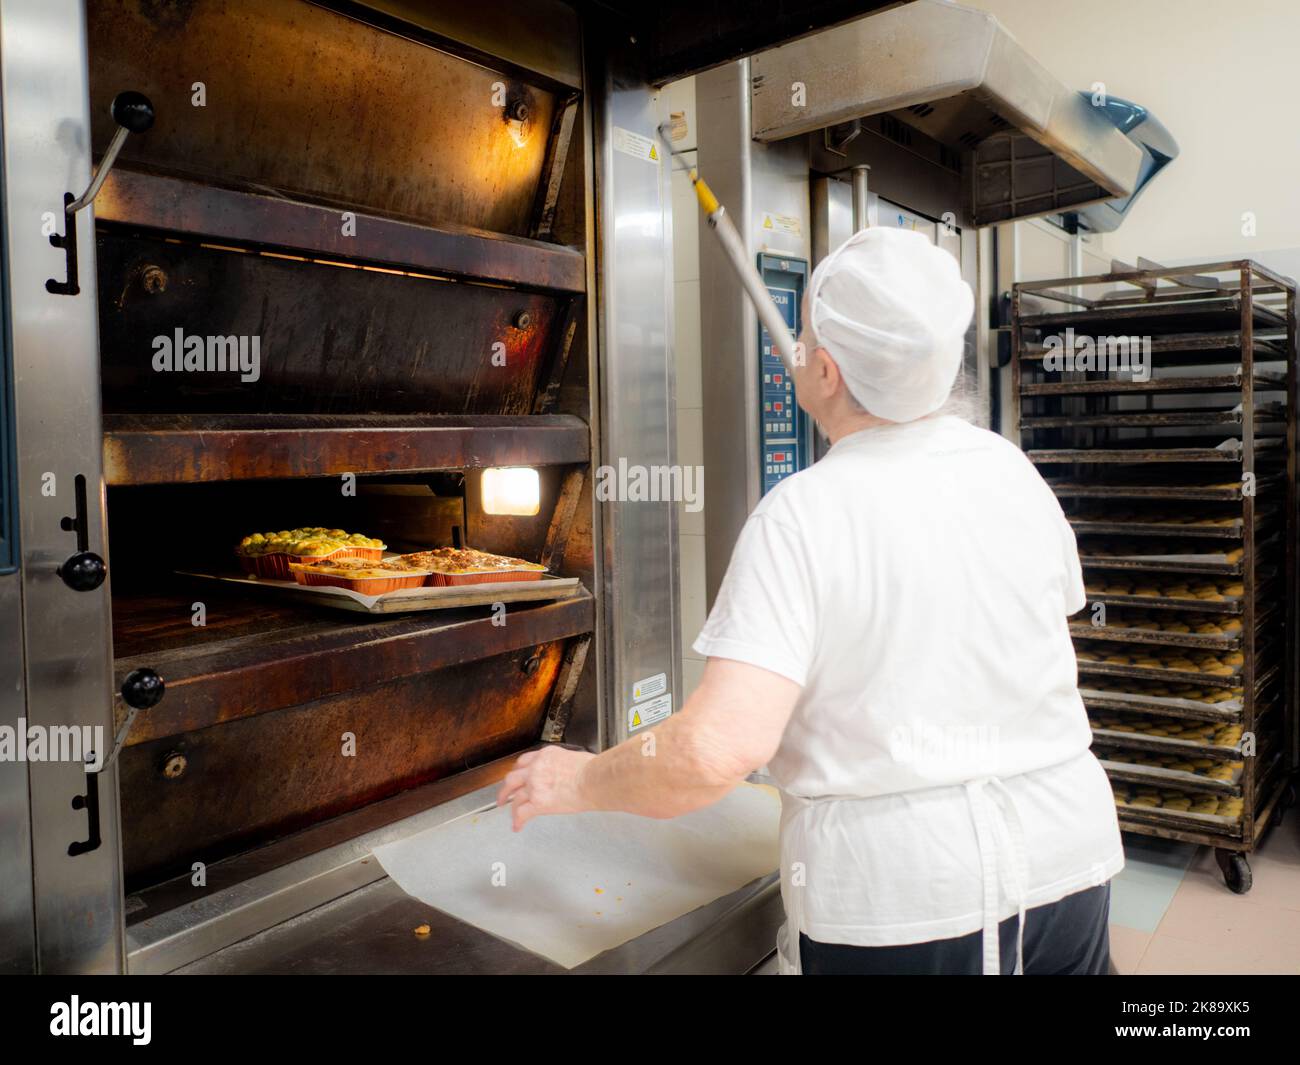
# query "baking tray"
(1195, 314)
(1263, 380)
(1082, 526)
(1137, 741)
(1136, 817)
(409, 600)
(1152, 419)
(1212, 565)
(1204, 641)
(1138, 489)
(1233, 605)
(1175, 779)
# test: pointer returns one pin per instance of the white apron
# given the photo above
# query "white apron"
(1004, 866)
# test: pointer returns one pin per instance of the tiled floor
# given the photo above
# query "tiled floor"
(1171, 913)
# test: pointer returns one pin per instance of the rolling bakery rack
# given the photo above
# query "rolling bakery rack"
(1160, 405)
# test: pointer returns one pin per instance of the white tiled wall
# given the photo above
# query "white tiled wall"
(690, 414)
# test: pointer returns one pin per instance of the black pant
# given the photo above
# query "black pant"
(1066, 938)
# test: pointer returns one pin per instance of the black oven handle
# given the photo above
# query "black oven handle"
(133, 113)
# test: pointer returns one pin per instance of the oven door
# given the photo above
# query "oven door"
(63, 825)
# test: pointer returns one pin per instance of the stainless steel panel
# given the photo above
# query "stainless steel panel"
(17, 918)
(756, 182)
(956, 75)
(832, 217)
(56, 373)
(637, 394)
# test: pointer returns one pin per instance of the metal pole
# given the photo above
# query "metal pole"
(860, 190)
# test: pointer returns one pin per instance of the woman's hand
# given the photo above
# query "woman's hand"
(545, 781)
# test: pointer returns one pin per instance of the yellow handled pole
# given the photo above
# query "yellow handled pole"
(734, 246)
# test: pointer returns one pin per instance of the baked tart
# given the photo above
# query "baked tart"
(271, 554)
(465, 565)
(360, 575)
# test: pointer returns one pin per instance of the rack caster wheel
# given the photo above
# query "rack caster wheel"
(1235, 869)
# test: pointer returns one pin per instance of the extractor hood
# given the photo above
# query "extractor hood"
(1028, 144)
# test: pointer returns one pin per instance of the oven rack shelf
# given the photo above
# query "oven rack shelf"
(1265, 650)
(1110, 736)
(247, 219)
(1177, 779)
(1085, 526)
(1185, 349)
(1136, 741)
(1191, 314)
(1267, 557)
(1187, 492)
(1187, 709)
(1143, 452)
(1264, 380)
(1205, 642)
(1139, 565)
(197, 448)
(1153, 419)
(253, 657)
(1159, 602)
(1265, 617)
(1159, 675)
(1266, 675)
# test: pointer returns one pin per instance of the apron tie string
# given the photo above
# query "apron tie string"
(998, 830)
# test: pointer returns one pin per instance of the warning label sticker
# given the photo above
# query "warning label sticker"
(644, 689)
(648, 713)
(782, 223)
(634, 144)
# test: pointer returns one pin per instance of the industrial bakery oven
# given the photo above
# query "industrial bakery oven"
(340, 264)
(1160, 404)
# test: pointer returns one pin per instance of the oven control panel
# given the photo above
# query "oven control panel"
(784, 438)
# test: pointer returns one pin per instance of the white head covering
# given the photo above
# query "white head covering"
(892, 310)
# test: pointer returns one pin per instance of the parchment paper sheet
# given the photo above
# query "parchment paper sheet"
(570, 887)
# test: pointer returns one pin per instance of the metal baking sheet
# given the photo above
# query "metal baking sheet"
(1097, 699)
(408, 600)
(1134, 773)
(1155, 815)
(1141, 741)
(1085, 631)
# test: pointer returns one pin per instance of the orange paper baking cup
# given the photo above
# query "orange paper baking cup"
(493, 577)
(364, 585)
(274, 565)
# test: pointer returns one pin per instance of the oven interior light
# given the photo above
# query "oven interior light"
(512, 490)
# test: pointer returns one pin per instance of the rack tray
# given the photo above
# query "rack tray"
(410, 600)
(1266, 380)
(1195, 315)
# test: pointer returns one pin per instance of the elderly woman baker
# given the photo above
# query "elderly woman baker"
(912, 688)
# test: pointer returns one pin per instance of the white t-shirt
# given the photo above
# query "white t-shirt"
(916, 583)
